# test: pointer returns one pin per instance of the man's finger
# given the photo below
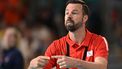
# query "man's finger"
(43, 61)
(44, 57)
(63, 66)
(40, 64)
(59, 61)
(57, 56)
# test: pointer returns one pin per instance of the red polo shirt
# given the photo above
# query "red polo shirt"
(97, 47)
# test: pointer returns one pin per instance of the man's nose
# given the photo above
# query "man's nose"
(69, 16)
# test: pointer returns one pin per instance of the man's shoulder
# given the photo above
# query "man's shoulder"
(95, 36)
(60, 40)
(98, 38)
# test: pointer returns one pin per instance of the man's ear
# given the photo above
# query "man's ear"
(85, 18)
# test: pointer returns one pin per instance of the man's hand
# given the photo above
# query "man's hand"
(67, 62)
(38, 62)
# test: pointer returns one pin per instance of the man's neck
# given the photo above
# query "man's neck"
(78, 35)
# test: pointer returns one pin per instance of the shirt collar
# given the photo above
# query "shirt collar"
(87, 38)
(85, 42)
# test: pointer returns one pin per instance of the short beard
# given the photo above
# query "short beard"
(73, 27)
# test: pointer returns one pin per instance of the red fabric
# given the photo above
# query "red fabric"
(14, 3)
(12, 14)
(12, 18)
(2, 7)
(94, 42)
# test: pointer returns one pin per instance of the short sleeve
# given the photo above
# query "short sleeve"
(102, 49)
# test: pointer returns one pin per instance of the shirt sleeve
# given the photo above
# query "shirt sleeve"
(51, 50)
(102, 49)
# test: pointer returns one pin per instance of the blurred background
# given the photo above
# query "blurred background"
(29, 26)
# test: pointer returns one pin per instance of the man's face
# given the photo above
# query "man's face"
(73, 17)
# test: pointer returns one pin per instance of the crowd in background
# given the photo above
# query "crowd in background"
(37, 23)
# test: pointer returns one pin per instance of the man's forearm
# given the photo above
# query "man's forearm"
(34, 68)
(91, 65)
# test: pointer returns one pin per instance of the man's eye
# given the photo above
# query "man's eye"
(74, 13)
(66, 13)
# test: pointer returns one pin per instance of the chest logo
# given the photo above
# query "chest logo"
(89, 53)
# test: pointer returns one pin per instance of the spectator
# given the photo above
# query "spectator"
(12, 58)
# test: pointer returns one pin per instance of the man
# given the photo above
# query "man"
(11, 56)
(79, 49)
